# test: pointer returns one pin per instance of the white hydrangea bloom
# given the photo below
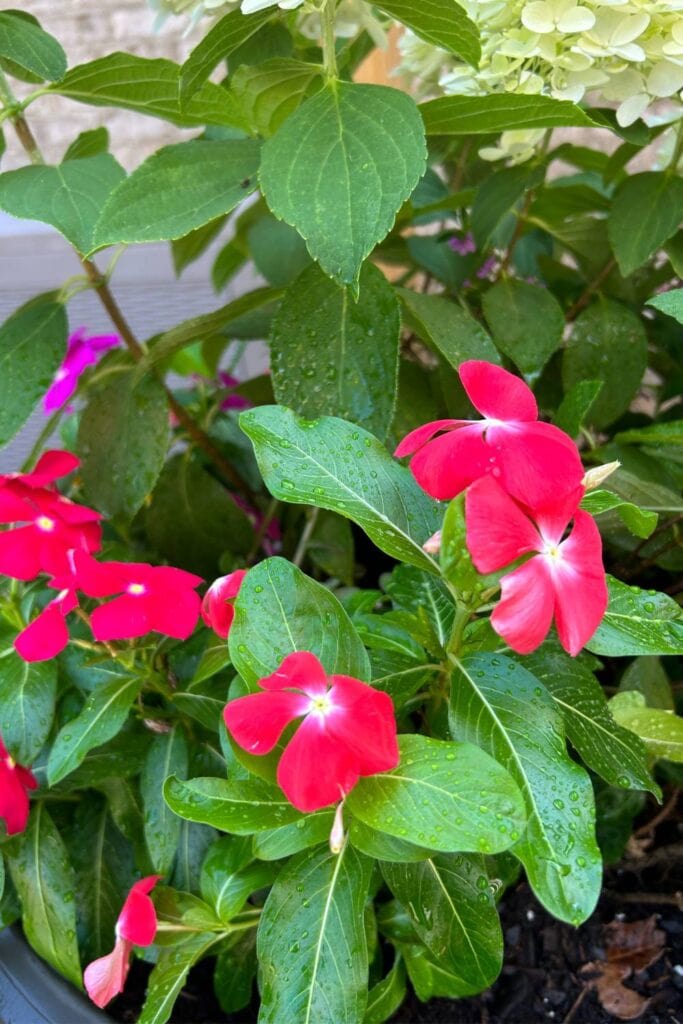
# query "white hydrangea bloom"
(251, 6)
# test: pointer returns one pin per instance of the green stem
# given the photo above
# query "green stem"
(43, 436)
(462, 617)
(327, 19)
(306, 533)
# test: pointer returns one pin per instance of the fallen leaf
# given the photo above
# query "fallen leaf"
(615, 998)
(635, 944)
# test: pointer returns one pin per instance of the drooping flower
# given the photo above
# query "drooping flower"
(82, 351)
(348, 730)
(535, 462)
(15, 781)
(151, 598)
(136, 926)
(47, 635)
(218, 605)
(564, 579)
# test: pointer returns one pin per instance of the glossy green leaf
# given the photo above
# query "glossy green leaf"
(526, 322)
(190, 247)
(646, 675)
(338, 466)
(27, 705)
(444, 326)
(230, 875)
(670, 432)
(381, 846)
(28, 46)
(233, 976)
(180, 913)
(311, 940)
(169, 975)
(193, 844)
(233, 29)
(502, 707)
(69, 196)
(274, 844)
(336, 355)
(339, 169)
(427, 799)
(483, 115)
(497, 196)
(122, 441)
(168, 756)
(456, 562)
(413, 591)
(443, 23)
(103, 714)
(269, 92)
(241, 807)
(91, 142)
(670, 303)
(576, 405)
(32, 345)
(661, 731)
(278, 251)
(640, 521)
(646, 211)
(638, 622)
(385, 998)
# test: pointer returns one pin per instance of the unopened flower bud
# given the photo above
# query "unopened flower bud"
(433, 545)
(337, 833)
(595, 476)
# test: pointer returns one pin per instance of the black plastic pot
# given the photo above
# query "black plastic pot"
(32, 993)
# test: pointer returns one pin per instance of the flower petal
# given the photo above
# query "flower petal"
(137, 922)
(365, 723)
(316, 769)
(124, 618)
(525, 611)
(173, 613)
(50, 466)
(45, 637)
(417, 438)
(498, 532)
(580, 585)
(447, 465)
(20, 553)
(105, 978)
(299, 671)
(257, 721)
(14, 803)
(496, 393)
(538, 467)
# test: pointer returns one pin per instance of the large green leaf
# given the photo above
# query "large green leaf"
(335, 355)
(233, 29)
(280, 610)
(614, 753)
(638, 622)
(670, 303)
(69, 196)
(269, 92)
(500, 706)
(193, 844)
(241, 807)
(169, 975)
(311, 940)
(526, 322)
(26, 44)
(498, 195)
(338, 466)
(274, 844)
(419, 593)
(640, 521)
(669, 432)
(339, 169)
(178, 189)
(608, 343)
(122, 441)
(450, 905)
(646, 211)
(576, 405)
(27, 705)
(428, 799)
(230, 875)
(44, 879)
(661, 731)
(444, 23)
(385, 998)
(168, 756)
(483, 115)
(444, 326)
(32, 345)
(147, 86)
(105, 711)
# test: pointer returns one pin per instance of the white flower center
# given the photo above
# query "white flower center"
(136, 589)
(45, 523)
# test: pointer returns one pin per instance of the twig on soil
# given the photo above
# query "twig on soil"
(575, 1006)
(665, 899)
(662, 815)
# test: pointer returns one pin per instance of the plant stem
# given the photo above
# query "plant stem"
(43, 436)
(327, 20)
(587, 294)
(462, 617)
(306, 533)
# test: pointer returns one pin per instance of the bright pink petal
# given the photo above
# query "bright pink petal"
(447, 465)
(50, 466)
(103, 342)
(298, 671)
(217, 608)
(20, 553)
(45, 637)
(174, 613)
(124, 618)
(417, 438)
(167, 576)
(496, 393)
(26, 777)
(498, 532)
(105, 978)
(137, 921)
(257, 721)
(60, 391)
(316, 769)
(525, 611)
(13, 507)
(537, 467)
(99, 579)
(580, 585)
(14, 804)
(363, 720)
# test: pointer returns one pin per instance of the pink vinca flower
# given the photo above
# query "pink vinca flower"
(564, 579)
(136, 926)
(81, 353)
(348, 730)
(218, 605)
(232, 401)
(152, 598)
(536, 463)
(15, 782)
(47, 635)
(50, 467)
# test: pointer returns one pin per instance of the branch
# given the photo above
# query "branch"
(587, 294)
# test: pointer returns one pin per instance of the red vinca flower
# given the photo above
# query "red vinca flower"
(47, 634)
(536, 463)
(158, 598)
(136, 926)
(218, 605)
(51, 466)
(564, 579)
(15, 782)
(348, 730)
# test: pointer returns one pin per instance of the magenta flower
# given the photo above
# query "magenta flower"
(81, 353)
(463, 245)
(218, 606)
(15, 781)
(232, 401)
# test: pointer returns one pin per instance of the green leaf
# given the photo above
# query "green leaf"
(608, 343)
(193, 519)
(639, 521)
(103, 715)
(311, 941)
(69, 197)
(331, 547)
(32, 345)
(499, 705)
(445, 327)
(149, 87)
(646, 211)
(89, 143)
(456, 562)
(381, 846)
(274, 844)
(230, 875)
(241, 807)
(233, 976)
(428, 798)
(190, 247)
(340, 467)
(278, 251)
(44, 879)
(605, 747)
(483, 115)
(668, 432)
(193, 844)
(413, 591)
(498, 195)
(279, 610)
(28, 46)
(181, 912)
(269, 92)
(27, 705)
(661, 731)
(647, 676)
(450, 906)
(233, 29)
(638, 622)
(168, 756)
(178, 189)
(576, 405)
(339, 169)
(169, 975)
(335, 355)
(122, 441)
(526, 322)
(443, 23)
(670, 303)
(385, 998)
